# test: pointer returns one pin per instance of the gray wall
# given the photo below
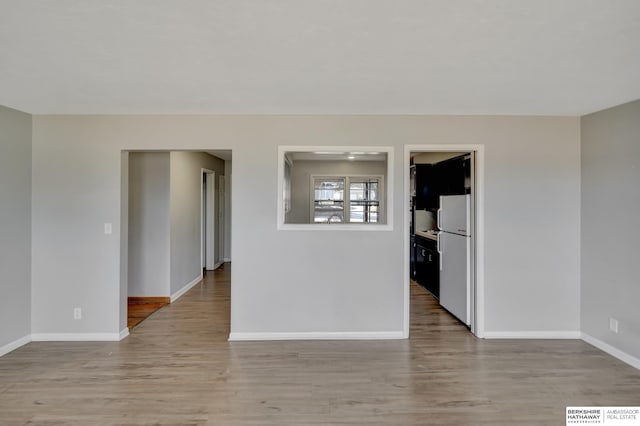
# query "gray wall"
(15, 225)
(532, 257)
(149, 220)
(301, 172)
(186, 199)
(610, 233)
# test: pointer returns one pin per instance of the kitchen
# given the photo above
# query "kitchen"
(441, 229)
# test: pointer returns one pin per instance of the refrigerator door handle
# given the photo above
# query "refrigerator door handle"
(438, 218)
(439, 251)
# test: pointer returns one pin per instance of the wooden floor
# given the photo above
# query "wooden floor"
(141, 308)
(178, 368)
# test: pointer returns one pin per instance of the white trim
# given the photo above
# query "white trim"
(406, 273)
(75, 337)
(388, 214)
(335, 227)
(175, 296)
(211, 221)
(124, 333)
(318, 335)
(566, 334)
(227, 259)
(477, 323)
(12, 346)
(615, 352)
(217, 265)
(207, 243)
(220, 223)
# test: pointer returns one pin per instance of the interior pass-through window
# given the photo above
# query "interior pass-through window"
(336, 188)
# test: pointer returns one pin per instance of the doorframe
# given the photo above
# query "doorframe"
(477, 290)
(208, 223)
(221, 220)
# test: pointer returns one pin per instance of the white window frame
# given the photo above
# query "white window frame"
(347, 198)
(286, 196)
(386, 212)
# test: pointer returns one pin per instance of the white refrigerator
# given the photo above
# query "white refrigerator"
(454, 246)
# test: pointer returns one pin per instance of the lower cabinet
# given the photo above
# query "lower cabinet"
(420, 263)
(412, 257)
(427, 265)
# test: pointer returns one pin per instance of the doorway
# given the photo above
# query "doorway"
(172, 203)
(440, 174)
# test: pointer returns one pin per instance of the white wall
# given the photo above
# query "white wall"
(186, 199)
(15, 227)
(302, 170)
(149, 220)
(532, 220)
(610, 232)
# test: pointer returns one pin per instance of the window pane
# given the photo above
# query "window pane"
(364, 201)
(329, 200)
(329, 189)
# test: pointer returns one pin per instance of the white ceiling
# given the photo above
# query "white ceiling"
(551, 57)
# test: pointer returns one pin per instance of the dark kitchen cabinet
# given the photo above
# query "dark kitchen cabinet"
(426, 186)
(449, 177)
(412, 257)
(420, 264)
(454, 176)
(427, 265)
(433, 271)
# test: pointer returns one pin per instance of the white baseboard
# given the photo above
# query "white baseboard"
(12, 346)
(216, 266)
(340, 335)
(227, 259)
(569, 334)
(75, 337)
(615, 352)
(175, 296)
(123, 333)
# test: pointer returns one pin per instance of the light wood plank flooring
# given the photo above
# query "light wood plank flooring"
(178, 368)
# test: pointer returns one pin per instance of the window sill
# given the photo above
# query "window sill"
(329, 227)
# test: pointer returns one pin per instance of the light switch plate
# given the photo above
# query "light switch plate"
(108, 228)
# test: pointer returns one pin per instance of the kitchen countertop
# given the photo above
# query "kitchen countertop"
(427, 235)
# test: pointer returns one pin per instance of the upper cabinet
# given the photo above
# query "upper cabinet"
(427, 191)
(448, 177)
(454, 175)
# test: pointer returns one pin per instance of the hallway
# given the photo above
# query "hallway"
(177, 367)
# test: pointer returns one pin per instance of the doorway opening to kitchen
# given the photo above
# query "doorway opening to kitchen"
(443, 237)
